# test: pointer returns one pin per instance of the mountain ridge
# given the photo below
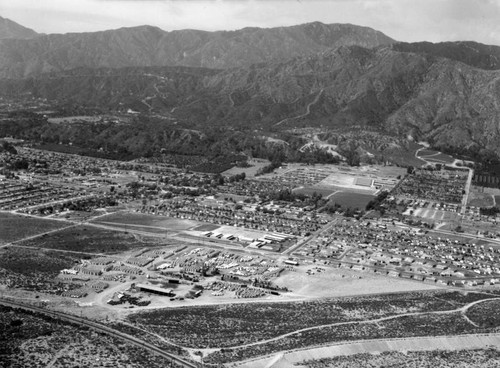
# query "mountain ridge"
(12, 30)
(151, 46)
(443, 101)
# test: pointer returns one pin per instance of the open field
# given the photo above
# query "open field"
(405, 158)
(351, 200)
(16, 227)
(206, 227)
(427, 152)
(134, 220)
(435, 156)
(310, 190)
(89, 239)
(129, 227)
(342, 282)
(256, 165)
(479, 199)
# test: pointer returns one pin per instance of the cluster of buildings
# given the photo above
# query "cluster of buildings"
(435, 185)
(29, 197)
(405, 252)
(282, 221)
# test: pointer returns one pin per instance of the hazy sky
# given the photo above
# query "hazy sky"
(404, 20)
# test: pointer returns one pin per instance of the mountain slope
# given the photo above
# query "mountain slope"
(150, 46)
(10, 29)
(446, 102)
(468, 52)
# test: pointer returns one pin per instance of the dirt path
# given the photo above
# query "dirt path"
(462, 310)
(308, 110)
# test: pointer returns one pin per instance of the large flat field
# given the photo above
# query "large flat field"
(478, 199)
(255, 165)
(335, 282)
(16, 227)
(434, 156)
(325, 192)
(351, 200)
(89, 239)
(145, 222)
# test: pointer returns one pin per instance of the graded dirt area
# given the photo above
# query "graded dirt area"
(480, 199)
(342, 282)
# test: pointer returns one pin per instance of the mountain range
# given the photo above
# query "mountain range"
(151, 46)
(13, 30)
(336, 77)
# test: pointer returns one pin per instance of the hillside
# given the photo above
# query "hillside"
(10, 29)
(468, 52)
(445, 102)
(151, 46)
